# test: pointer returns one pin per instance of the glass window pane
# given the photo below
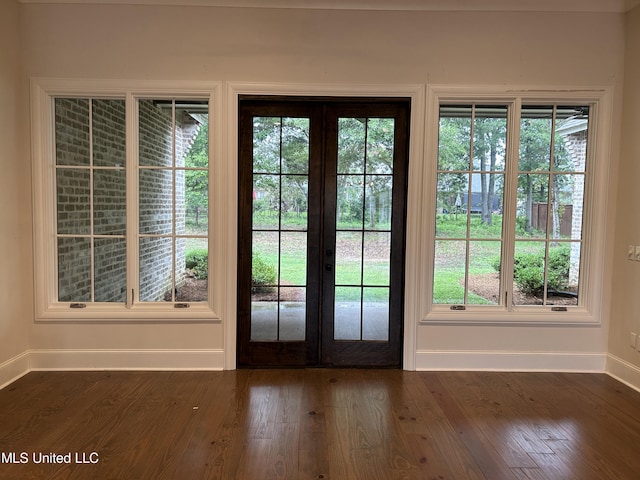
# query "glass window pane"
(529, 273)
(155, 132)
(110, 275)
(196, 181)
(109, 133)
(266, 144)
(449, 272)
(376, 258)
(156, 270)
(454, 139)
(378, 200)
(489, 138)
(486, 205)
(74, 269)
(295, 145)
(532, 202)
(266, 202)
(294, 202)
(563, 194)
(380, 146)
(72, 131)
(348, 258)
(575, 252)
(351, 145)
(484, 275)
(347, 313)
(535, 139)
(109, 202)
(197, 201)
(73, 193)
(572, 129)
(156, 201)
(192, 269)
(350, 202)
(452, 205)
(375, 314)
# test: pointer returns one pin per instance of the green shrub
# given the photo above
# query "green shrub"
(528, 270)
(197, 261)
(263, 274)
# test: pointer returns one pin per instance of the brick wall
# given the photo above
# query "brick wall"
(576, 145)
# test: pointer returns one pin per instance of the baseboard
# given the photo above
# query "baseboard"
(13, 369)
(126, 359)
(511, 361)
(623, 371)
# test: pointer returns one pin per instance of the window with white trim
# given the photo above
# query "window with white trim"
(515, 205)
(126, 205)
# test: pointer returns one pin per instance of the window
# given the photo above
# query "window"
(126, 203)
(515, 209)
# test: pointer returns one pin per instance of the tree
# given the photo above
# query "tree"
(488, 146)
(197, 181)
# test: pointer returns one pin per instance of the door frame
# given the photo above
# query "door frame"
(413, 305)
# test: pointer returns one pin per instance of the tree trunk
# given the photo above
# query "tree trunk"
(529, 204)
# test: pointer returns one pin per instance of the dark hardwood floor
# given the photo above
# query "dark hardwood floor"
(319, 424)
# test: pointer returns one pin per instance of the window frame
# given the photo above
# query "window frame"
(592, 270)
(47, 306)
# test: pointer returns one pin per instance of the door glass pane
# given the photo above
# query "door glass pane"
(350, 202)
(279, 238)
(347, 313)
(378, 202)
(348, 263)
(363, 220)
(266, 204)
(376, 258)
(375, 313)
(380, 132)
(351, 145)
(293, 202)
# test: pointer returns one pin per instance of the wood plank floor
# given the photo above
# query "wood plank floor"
(319, 424)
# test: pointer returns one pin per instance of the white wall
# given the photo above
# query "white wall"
(330, 47)
(15, 217)
(625, 312)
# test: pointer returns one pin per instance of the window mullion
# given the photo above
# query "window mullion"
(132, 175)
(510, 204)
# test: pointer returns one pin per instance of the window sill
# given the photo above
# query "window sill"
(520, 316)
(157, 313)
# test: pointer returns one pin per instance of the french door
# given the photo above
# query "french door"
(322, 195)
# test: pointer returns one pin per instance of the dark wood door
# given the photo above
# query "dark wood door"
(322, 187)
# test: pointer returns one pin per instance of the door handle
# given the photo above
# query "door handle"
(328, 267)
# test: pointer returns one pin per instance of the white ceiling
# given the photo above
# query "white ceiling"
(416, 5)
